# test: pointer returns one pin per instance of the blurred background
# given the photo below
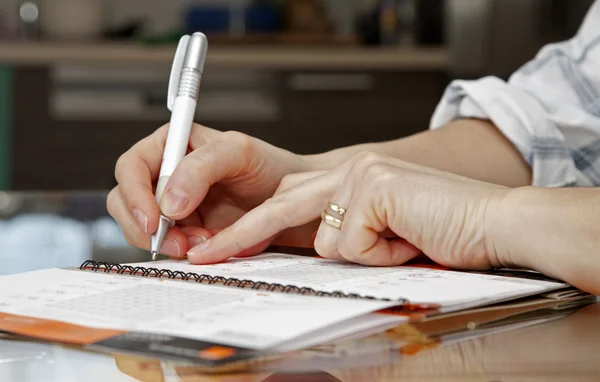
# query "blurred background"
(83, 80)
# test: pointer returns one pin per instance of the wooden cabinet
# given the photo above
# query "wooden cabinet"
(324, 111)
(317, 111)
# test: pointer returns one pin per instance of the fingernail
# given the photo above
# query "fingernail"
(170, 248)
(196, 240)
(174, 201)
(142, 219)
(198, 249)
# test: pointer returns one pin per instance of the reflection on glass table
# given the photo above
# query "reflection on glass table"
(48, 230)
(561, 350)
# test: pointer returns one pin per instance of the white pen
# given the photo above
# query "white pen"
(184, 85)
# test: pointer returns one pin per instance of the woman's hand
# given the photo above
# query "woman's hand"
(223, 176)
(394, 211)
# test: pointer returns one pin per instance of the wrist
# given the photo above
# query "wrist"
(501, 225)
(517, 231)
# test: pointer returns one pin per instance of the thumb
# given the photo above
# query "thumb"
(193, 177)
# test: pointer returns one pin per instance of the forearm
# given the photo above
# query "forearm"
(471, 148)
(554, 231)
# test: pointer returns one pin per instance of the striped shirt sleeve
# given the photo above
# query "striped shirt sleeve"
(549, 108)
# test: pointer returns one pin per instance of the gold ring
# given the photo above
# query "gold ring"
(337, 209)
(331, 220)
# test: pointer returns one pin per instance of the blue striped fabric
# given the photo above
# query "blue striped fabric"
(549, 108)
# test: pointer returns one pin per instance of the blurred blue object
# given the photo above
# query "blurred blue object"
(207, 19)
(39, 241)
(263, 18)
(259, 18)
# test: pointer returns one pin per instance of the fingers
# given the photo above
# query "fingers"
(299, 237)
(364, 227)
(292, 180)
(212, 162)
(175, 244)
(327, 238)
(326, 241)
(138, 168)
(360, 240)
(135, 171)
(302, 236)
(292, 208)
(197, 236)
(358, 186)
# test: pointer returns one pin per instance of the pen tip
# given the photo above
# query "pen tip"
(154, 254)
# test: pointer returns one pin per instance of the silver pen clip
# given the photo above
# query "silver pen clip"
(189, 59)
(176, 69)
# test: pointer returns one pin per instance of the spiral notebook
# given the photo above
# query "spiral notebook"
(246, 308)
(422, 286)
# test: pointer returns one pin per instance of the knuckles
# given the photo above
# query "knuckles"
(121, 164)
(243, 143)
(345, 247)
(364, 161)
(348, 247)
(110, 201)
(323, 248)
(379, 173)
(366, 158)
(289, 181)
(192, 166)
(372, 169)
(278, 209)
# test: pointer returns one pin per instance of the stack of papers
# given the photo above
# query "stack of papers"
(261, 307)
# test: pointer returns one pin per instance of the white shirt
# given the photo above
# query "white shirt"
(549, 108)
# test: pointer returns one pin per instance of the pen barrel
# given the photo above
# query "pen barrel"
(189, 84)
(177, 143)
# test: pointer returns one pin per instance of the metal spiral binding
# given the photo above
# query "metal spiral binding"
(98, 266)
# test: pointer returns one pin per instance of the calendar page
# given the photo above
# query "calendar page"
(451, 290)
(237, 317)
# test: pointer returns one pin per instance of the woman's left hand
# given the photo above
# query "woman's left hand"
(392, 212)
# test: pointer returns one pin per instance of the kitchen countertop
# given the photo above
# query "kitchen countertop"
(243, 56)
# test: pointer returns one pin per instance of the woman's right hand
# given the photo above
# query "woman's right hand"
(224, 175)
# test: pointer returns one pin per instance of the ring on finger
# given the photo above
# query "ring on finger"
(331, 220)
(341, 211)
(328, 215)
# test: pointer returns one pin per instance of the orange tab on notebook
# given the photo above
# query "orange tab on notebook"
(217, 352)
(53, 330)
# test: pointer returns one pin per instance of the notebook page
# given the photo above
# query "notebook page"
(245, 318)
(421, 285)
(359, 327)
